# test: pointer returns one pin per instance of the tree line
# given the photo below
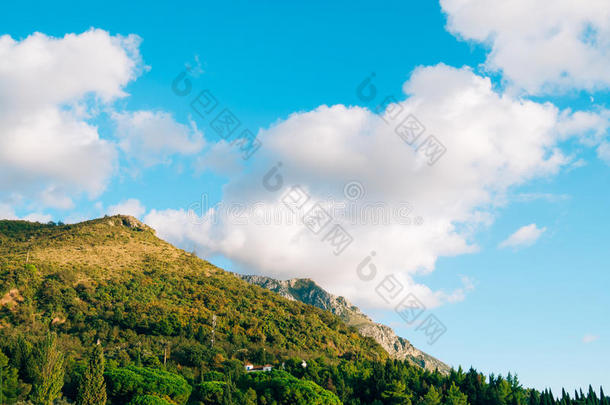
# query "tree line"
(36, 371)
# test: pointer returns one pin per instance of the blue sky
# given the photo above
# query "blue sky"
(525, 132)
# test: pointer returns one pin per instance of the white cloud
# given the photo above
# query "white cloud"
(49, 87)
(154, 136)
(221, 158)
(7, 212)
(540, 46)
(38, 217)
(131, 207)
(603, 151)
(577, 164)
(494, 142)
(589, 338)
(592, 129)
(524, 236)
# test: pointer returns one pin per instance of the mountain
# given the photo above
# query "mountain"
(112, 279)
(307, 291)
(105, 309)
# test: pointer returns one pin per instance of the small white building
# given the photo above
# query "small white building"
(250, 368)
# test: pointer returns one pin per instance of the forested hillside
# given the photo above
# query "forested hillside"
(105, 312)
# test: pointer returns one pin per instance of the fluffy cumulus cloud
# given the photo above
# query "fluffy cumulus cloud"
(51, 92)
(151, 137)
(131, 206)
(539, 46)
(493, 142)
(49, 152)
(524, 236)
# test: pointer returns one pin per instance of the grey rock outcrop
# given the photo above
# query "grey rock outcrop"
(308, 292)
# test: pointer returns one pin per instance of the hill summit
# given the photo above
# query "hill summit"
(112, 279)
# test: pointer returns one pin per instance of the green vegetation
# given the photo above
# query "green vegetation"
(10, 388)
(287, 389)
(47, 370)
(92, 387)
(119, 283)
(104, 312)
(148, 400)
(124, 383)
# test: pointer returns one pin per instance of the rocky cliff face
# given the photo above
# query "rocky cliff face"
(308, 292)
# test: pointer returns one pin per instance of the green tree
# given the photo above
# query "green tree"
(22, 358)
(250, 397)
(396, 393)
(9, 382)
(213, 393)
(432, 397)
(503, 391)
(92, 387)
(534, 398)
(126, 382)
(227, 395)
(47, 370)
(603, 399)
(455, 396)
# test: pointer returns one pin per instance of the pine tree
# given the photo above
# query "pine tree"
(396, 393)
(534, 398)
(503, 391)
(47, 370)
(455, 396)
(92, 387)
(432, 397)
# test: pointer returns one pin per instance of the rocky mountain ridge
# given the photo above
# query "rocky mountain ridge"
(308, 292)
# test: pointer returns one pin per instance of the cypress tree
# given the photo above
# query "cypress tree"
(603, 399)
(92, 387)
(592, 396)
(47, 370)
